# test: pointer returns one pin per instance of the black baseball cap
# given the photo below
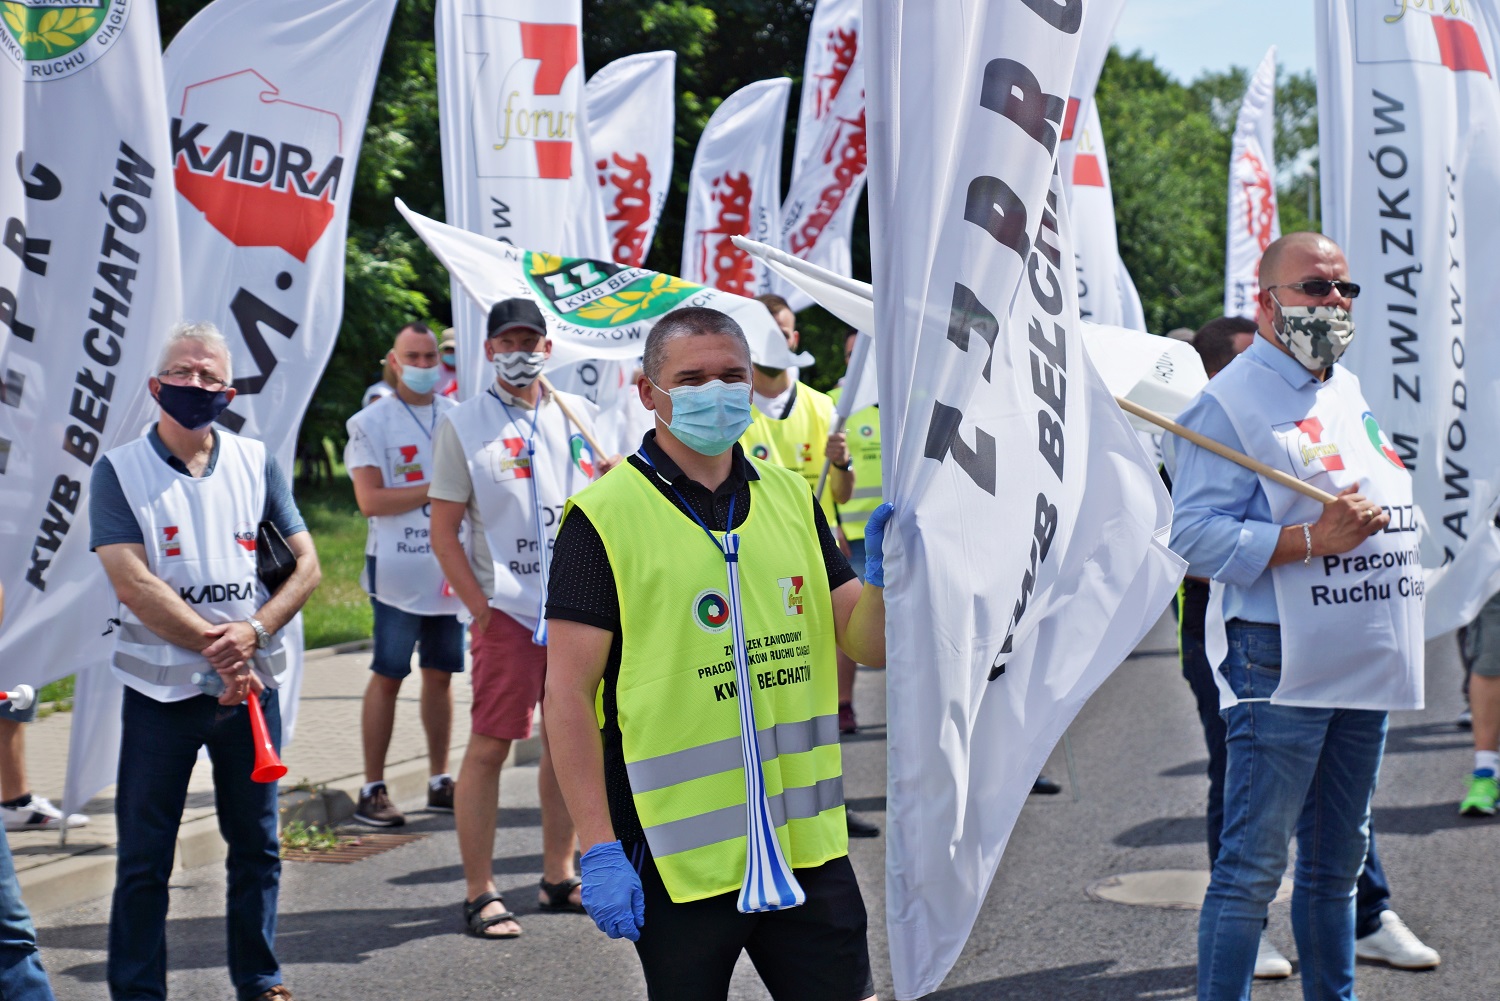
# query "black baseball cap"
(517, 312)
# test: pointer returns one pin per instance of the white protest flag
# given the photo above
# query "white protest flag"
(1409, 143)
(1133, 314)
(1095, 35)
(1253, 220)
(735, 189)
(594, 309)
(264, 161)
(817, 218)
(516, 161)
(631, 114)
(848, 299)
(1014, 600)
(1096, 245)
(833, 42)
(88, 289)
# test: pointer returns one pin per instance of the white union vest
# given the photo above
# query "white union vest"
(1352, 624)
(503, 472)
(200, 540)
(407, 573)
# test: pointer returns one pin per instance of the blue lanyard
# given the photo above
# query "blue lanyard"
(427, 431)
(729, 557)
(544, 559)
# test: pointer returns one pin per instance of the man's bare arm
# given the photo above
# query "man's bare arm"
(231, 645)
(152, 599)
(576, 657)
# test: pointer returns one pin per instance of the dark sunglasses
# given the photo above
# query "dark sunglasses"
(1320, 287)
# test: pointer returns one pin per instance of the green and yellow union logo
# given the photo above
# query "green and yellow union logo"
(52, 39)
(601, 294)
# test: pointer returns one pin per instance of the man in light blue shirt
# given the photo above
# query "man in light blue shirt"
(1223, 526)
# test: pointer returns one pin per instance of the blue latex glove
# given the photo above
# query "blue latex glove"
(875, 545)
(612, 891)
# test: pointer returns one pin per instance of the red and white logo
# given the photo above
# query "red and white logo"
(171, 541)
(791, 594)
(630, 214)
(842, 45)
(1438, 32)
(723, 265)
(1305, 446)
(525, 115)
(244, 536)
(405, 466)
(846, 152)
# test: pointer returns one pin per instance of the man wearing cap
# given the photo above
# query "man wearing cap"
(504, 463)
(389, 458)
(448, 359)
(697, 599)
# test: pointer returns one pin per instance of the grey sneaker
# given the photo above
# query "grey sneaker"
(440, 797)
(377, 810)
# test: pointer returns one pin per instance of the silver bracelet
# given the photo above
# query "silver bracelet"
(1307, 538)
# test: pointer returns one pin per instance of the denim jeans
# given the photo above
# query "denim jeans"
(21, 975)
(159, 744)
(1290, 771)
(1374, 893)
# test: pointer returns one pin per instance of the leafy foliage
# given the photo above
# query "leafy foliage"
(1168, 145)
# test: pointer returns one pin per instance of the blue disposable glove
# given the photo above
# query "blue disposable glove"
(612, 891)
(875, 545)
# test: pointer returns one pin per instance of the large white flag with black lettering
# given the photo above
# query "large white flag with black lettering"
(88, 289)
(516, 161)
(1253, 220)
(1011, 601)
(734, 189)
(1409, 142)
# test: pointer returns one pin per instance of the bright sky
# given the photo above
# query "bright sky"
(1187, 37)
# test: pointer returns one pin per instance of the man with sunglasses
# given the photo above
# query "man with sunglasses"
(1314, 621)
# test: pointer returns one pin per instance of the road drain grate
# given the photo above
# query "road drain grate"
(351, 848)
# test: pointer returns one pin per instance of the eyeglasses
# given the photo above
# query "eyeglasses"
(206, 379)
(1320, 287)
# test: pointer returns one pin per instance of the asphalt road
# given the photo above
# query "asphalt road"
(388, 926)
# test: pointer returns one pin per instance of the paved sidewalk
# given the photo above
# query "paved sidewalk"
(324, 775)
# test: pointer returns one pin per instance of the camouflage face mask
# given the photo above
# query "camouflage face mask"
(1315, 335)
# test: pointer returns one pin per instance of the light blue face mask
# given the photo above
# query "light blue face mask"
(420, 380)
(709, 418)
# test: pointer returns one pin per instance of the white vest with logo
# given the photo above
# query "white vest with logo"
(1351, 624)
(200, 539)
(503, 468)
(407, 573)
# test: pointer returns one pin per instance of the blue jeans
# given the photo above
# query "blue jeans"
(21, 975)
(1290, 770)
(159, 744)
(1374, 894)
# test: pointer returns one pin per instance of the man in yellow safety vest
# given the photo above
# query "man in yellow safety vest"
(696, 600)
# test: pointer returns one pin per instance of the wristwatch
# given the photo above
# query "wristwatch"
(845, 467)
(262, 638)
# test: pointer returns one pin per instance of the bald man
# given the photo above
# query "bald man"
(1315, 619)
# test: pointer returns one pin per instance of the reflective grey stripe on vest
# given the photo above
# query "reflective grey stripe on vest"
(268, 664)
(863, 493)
(724, 755)
(795, 803)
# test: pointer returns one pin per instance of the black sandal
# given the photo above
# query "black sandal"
(476, 926)
(560, 896)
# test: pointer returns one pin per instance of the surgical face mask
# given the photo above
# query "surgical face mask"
(1315, 335)
(194, 407)
(709, 418)
(420, 380)
(449, 358)
(520, 368)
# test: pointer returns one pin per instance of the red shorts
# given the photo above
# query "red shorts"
(509, 672)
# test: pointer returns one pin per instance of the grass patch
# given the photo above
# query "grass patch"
(308, 838)
(57, 691)
(339, 610)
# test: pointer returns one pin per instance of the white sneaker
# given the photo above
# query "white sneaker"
(1395, 945)
(39, 815)
(1270, 964)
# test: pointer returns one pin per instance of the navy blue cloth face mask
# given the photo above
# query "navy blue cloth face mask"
(194, 407)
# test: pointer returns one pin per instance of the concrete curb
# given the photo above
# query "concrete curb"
(84, 877)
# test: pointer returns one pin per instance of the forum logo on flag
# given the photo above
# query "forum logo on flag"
(791, 594)
(1439, 32)
(171, 541)
(1305, 446)
(405, 466)
(1380, 441)
(583, 456)
(711, 611)
(525, 113)
(264, 170)
(52, 39)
